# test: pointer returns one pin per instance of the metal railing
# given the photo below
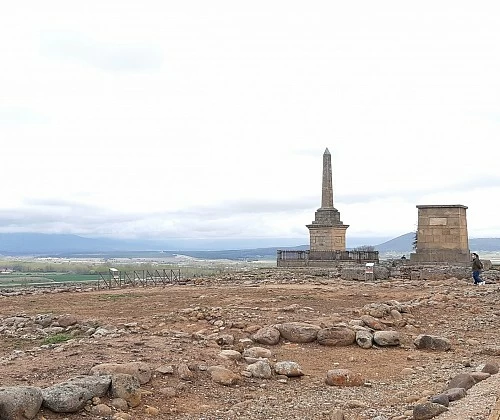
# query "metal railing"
(116, 278)
(354, 256)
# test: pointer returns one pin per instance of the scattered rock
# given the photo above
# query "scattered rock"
(225, 340)
(260, 369)
(372, 322)
(151, 411)
(165, 369)
(428, 411)
(230, 354)
(101, 410)
(462, 380)
(491, 350)
(67, 320)
(343, 377)
(223, 376)
(455, 394)
(431, 342)
(140, 370)
(442, 399)
(257, 353)
(480, 376)
(119, 404)
(184, 372)
(290, 369)
(491, 367)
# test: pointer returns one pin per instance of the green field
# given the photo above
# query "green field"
(25, 272)
(27, 279)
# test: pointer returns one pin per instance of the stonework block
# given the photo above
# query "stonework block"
(442, 234)
(438, 221)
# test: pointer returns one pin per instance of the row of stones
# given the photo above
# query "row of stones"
(121, 381)
(455, 390)
(46, 325)
(341, 335)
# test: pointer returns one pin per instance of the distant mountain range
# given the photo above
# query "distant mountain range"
(42, 243)
(404, 244)
(12, 244)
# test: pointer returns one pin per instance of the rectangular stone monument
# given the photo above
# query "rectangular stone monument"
(442, 235)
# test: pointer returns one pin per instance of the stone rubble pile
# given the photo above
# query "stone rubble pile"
(119, 382)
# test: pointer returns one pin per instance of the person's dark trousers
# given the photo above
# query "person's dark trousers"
(475, 275)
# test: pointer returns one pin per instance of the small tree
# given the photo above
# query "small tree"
(415, 240)
(364, 248)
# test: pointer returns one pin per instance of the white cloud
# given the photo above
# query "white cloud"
(210, 119)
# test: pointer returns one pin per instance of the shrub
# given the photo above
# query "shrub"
(57, 338)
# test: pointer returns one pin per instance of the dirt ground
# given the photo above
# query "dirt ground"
(163, 325)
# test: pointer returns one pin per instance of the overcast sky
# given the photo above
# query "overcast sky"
(209, 119)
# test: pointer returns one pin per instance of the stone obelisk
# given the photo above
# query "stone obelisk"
(327, 232)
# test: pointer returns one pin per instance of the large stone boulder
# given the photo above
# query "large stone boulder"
(432, 342)
(386, 338)
(267, 335)
(20, 402)
(64, 397)
(96, 386)
(364, 339)
(336, 336)
(462, 380)
(298, 332)
(127, 387)
(140, 370)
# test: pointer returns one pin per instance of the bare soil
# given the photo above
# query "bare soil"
(156, 325)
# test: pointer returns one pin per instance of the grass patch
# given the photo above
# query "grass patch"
(57, 338)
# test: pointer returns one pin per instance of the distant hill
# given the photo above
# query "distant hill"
(66, 244)
(484, 244)
(63, 245)
(404, 244)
